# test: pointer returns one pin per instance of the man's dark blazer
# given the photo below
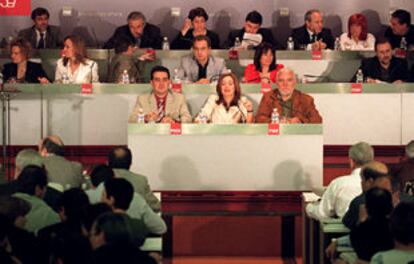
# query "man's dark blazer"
(266, 34)
(33, 71)
(371, 68)
(301, 37)
(151, 37)
(52, 40)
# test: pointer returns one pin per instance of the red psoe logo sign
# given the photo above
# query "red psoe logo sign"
(175, 128)
(15, 7)
(273, 129)
(86, 88)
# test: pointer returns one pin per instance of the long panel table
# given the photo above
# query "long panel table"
(381, 115)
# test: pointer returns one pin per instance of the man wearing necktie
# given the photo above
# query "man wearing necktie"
(42, 35)
(313, 35)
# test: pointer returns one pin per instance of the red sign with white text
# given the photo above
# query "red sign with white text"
(316, 55)
(177, 87)
(266, 87)
(175, 128)
(87, 88)
(15, 7)
(356, 88)
(273, 129)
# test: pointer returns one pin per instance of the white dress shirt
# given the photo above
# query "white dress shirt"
(86, 73)
(218, 114)
(350, 44)
(337, 197)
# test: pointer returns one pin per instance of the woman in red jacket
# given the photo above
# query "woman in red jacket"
(264, 68)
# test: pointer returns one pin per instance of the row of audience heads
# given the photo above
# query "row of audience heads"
(357, 23)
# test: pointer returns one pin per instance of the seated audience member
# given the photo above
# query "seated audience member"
(42, 35)
(111, 241)
(124, 61)
(400, 26)
(357, 37)
(60, 170)
(402, 229)
(21, 69)
(373, 234)
(161, 105)
(373, 174)
(292, 105)
(120, 159)
(264, 67)
(384, 67)
(404, 171)
(141, 33)
(23, 243)
(252, 25)
(75, 67)
(228, 106)
(6, 251)
(195, 25)
(89, 214)
(313, 35)
(138, 207)
(31, 188)
(70, 205)
(200, 67)
(342, 190)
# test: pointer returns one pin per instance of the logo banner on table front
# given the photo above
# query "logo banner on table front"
(15, 7)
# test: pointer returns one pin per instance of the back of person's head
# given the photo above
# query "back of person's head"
(159, 68)
(14, 207)
(101, 173)
(121, 191)
(91, 212)
(409, 149)
(27, 157)
(115, 228)
(369, 173)
(72, 202)
(122, 44)
(361, 153)
(197, 12)
(40, 11)
(378, 202)
(403, 16)
(254, 17)
(31, 178)
(53, 145)
(202, 38)
(120, 158)
(402, 223)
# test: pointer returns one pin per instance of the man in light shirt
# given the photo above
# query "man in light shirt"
(340, 192)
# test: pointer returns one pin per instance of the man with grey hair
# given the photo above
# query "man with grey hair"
(313, 35)
(26, 157)
(139, 31)
(404, 171)
(292, 105)
(342, 190)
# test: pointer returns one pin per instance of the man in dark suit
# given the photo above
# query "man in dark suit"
(313, 33)
(42, 35)
(142, 34)
(384, 67)
(400, 26)
(252, 25)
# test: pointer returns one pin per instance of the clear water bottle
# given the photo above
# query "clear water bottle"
(275, 116)
(125, 77)
(403, 43)
(337, 45)
(141, 116)
(176, 77)
(237, 43)
(290, 44)
(65, 78)
(165, 44)
(202, 118)
(1, 79)
(359, 76)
